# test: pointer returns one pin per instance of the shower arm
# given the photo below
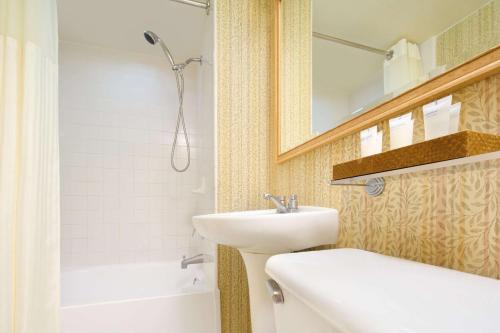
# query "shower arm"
(170, 57)
(181, 66)
(199, 4)
(190, 60)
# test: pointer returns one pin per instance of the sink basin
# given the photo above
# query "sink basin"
(265, 231)
(258, 235)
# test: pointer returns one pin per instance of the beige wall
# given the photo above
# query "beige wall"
(295, 73)
(448, 217)
(245, 97)
(477, 33)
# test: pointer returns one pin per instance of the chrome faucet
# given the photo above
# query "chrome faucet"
(197, 259)
(281, 205)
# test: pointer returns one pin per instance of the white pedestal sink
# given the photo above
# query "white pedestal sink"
(260, 234)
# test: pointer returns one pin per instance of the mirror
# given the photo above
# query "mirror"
(337, 60)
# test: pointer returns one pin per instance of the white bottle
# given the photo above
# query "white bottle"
(371, 141)
(455, 117)
(401, 131)
(437, 118)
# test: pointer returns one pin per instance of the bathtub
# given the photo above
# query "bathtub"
(139, 298)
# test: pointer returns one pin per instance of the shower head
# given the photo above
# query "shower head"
(153, 39)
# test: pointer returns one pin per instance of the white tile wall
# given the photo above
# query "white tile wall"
(121, 200)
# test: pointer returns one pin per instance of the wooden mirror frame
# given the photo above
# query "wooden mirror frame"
(475, 69)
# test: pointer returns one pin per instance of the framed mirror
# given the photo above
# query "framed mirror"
(344, 65)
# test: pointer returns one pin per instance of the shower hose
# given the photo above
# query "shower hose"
(179, 77)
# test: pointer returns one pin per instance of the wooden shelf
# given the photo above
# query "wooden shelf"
(455, 149)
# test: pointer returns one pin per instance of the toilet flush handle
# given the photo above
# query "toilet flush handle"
(275, 292)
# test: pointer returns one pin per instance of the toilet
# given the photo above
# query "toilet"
(356, 291)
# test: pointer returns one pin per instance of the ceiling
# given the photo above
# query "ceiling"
(381, 23)
(344, 69)
(119, 24)
(376, 23)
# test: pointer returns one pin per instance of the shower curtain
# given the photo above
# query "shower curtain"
(29, 167)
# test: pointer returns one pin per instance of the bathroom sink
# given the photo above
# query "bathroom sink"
(267, 232)
(258, 235)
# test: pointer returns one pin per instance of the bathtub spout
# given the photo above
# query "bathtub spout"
(197, 259)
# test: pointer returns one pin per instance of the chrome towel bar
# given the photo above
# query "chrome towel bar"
(373, 187)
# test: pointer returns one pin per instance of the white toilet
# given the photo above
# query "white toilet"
(355, 291)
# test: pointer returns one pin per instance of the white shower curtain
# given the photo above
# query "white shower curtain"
(29, 167)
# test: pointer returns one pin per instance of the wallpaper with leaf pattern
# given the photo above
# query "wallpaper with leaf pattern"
(447, 217)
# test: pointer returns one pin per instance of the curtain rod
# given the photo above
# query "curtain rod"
(204, 5)
(387, 54)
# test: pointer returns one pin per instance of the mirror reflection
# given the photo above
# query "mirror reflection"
(366, 52)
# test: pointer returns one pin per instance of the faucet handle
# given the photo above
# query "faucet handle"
(293, 204)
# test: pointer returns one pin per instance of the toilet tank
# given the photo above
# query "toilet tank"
(355, 291)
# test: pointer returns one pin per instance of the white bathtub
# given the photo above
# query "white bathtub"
(138, 298)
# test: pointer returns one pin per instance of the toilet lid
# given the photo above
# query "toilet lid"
(363, 292)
